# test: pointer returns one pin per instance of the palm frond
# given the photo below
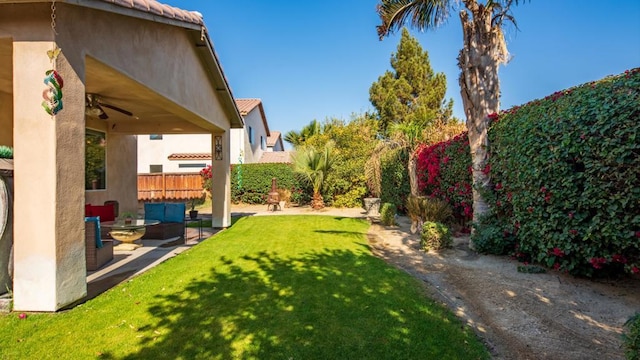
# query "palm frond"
(420, 14)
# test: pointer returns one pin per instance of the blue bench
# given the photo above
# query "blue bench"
(171, 217)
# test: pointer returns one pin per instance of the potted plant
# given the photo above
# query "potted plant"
(193, 213)
(127, 217)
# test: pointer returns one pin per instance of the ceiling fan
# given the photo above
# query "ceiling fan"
(94, 107)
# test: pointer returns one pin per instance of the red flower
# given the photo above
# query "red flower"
(543, 189)
(509, 196)
(557, 252)
(571, 215)
(487, 169)
(635, 270)
(638, 234)
(492, 116)
(556, 266)
(498, 203)
(530, 209)
(619, 258)
(498, 186)
(573, 231)
(597, 262)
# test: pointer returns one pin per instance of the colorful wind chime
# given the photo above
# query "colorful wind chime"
(52, 95)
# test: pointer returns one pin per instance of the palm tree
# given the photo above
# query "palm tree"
(314, 166)
(484, 49)
(299, 138)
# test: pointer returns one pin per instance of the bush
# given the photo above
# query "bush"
(565, 175)
(435, 236)
(6, 152)
(394, 185)
(421, 208)
(444, 172)
(631, 338)
(251, 183)
(493, 237)
(388, 214)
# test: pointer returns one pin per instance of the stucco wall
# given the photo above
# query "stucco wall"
(253, 152)
(156, 152)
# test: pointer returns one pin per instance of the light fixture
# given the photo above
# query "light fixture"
(218, 147)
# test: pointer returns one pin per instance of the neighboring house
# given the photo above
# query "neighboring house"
(190, 153)
(155, 65)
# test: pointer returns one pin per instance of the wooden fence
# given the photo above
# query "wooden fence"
(169, 186)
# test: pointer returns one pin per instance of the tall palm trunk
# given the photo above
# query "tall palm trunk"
(484, 50)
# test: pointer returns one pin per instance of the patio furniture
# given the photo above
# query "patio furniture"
(171, 217)
(128, 232)
(106, 212)
(98, 251)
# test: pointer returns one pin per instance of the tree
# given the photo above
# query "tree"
(412, 93)
(299, 138)
(484, 49)
(409, 100)
(314, 166)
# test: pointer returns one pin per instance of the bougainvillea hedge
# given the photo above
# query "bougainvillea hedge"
(566, 177)
(444, 172)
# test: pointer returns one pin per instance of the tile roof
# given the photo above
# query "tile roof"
(246, 105)
(272, 139)
(157, 8)
(190, 156)
(276, 157)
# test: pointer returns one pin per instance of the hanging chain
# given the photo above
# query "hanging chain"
(53, 16)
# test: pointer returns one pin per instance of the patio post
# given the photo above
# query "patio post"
(49, 253)
(221, 180)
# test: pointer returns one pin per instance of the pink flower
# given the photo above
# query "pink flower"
(22, 316)
(635, 270)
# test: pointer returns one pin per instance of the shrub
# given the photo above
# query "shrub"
(395, 186)
(631, 338)
(388, 214)
(421, 208)
(251, 183)
(493, 237)
(6, 152)
(565, 175)
(435, 236)
(444, 172)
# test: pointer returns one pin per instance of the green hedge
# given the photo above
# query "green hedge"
(566, 177)
(251, 183)
(394, 182)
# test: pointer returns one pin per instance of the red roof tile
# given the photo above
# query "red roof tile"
(276, 157)
(157, 8)
(190, 156)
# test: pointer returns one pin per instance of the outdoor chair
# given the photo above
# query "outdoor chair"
(98, 251)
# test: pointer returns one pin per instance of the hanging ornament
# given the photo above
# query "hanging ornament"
(52, 95)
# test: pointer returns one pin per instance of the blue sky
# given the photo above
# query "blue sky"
(311, 60)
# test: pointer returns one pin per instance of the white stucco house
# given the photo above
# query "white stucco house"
(127, 69)
(179, 153)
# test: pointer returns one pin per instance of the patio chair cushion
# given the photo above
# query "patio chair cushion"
(96, 220)
(174, 212)
(105, 212)
(154, 211)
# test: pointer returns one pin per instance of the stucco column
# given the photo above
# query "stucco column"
(49, 257)
(221, 182)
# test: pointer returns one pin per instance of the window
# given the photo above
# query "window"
(251, 141)
(263, 143)
(192, 165)
(95, 154)
(155, 137)
(155, 169)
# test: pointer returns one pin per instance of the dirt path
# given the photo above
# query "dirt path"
(518, 315)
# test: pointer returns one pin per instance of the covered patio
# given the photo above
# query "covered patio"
(153, 61)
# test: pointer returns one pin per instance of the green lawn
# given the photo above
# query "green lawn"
(271, 287)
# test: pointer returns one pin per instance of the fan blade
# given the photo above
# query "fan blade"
(103, 115)
(117, 109)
